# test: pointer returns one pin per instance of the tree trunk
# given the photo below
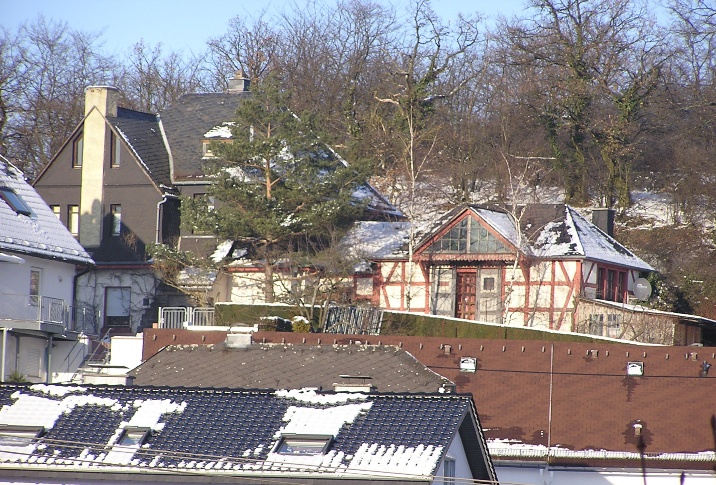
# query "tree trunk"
(269, 295)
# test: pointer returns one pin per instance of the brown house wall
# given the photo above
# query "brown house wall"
(128, 185)
(60, 183)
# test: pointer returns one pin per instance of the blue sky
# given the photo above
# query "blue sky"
(185, 25)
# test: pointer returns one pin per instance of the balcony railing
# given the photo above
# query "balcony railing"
(38, 310)
(182, 317)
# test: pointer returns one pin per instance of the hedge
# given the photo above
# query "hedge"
(432, 326)
(395, 323)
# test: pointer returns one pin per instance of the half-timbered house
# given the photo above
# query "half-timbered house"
(526, 267)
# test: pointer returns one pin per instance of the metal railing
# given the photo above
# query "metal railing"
(182, 317)
(353, 320)
(43, 309)
(85, 320)
(48, 310)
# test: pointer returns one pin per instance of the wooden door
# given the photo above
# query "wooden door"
(466, 295)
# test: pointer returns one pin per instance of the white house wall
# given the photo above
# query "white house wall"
(56, 280)
(247, 287)
(462, 466)
(29, 355)
(400, 279)
(141, 282)
(67, 356)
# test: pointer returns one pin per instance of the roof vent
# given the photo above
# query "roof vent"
(468, 364)
(239, 339)
(635, 368)
(353, 385)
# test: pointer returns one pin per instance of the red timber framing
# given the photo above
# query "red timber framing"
(551, 295)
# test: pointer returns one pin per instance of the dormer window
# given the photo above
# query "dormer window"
(133, 437)
(19, 435)
(206, 150)
(14, 201)
(303, 444)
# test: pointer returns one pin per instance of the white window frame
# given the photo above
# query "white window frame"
(77, 149)
(115, 152)
(73, 219)
(19, 436)
(449, 471)
(35, 288)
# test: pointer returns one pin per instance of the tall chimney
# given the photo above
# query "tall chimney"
(603, 218)
(239, 83)
(100, 102)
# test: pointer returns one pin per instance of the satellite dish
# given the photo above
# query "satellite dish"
(642, 289)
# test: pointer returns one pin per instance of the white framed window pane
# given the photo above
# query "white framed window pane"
(116, 222)
(73, 219)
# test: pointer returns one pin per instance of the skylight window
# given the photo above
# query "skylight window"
(134, 437)
(19, 435)
(14, 201)
(303, 444)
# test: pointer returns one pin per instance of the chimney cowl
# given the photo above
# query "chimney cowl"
(603, 218)
(240, 83)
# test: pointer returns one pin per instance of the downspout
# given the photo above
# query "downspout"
(4, 347)
(549, 415)
(74, 284)
(75, 279)
(165, 197)
(48, 360)
(159, 220)
(17, 353)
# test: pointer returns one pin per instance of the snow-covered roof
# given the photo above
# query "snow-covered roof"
(547, 231)
(220, 131)
(40, 233)
(514, 449)
(372, 240)
(233, 432)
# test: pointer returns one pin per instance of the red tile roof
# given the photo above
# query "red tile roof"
(569, 396)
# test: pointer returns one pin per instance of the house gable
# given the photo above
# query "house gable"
(467, 236)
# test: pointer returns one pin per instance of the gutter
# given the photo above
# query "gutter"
(165, 197)
(75, 278)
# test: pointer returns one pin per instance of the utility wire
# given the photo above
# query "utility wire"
(153, 453)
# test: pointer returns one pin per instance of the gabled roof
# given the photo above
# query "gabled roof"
(230, 433)
(288, 366)
(186, 122)
(546, 231)
(569, 403)
(141, 131)
(209, 116)
(40, 234)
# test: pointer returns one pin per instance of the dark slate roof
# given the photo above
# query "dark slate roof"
(39, 234)
(234, 432)
(289, 367)
(185, 123)
(141, 131)
(570, 403)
